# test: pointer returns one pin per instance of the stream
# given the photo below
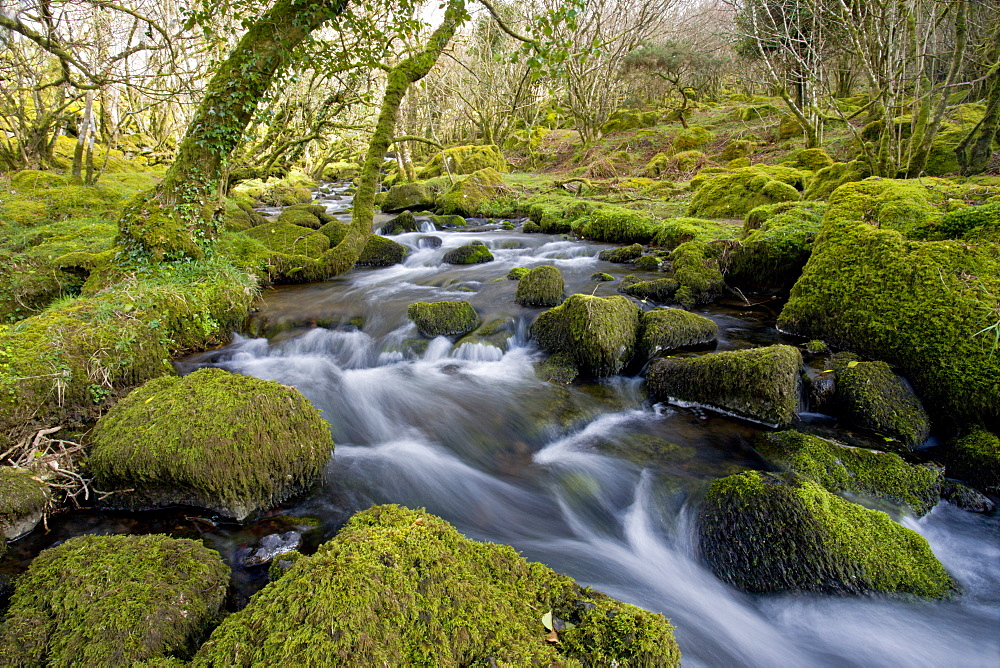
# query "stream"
(592, 479)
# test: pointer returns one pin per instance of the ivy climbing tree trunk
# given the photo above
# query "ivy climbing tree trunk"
(180, 216)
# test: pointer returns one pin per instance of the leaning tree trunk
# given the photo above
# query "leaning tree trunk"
(177, 218)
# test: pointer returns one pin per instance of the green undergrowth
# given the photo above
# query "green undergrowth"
(112, 601)
(402, 587)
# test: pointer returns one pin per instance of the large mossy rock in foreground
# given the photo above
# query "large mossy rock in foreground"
(597, 333)
(875, 398)
(400, 587)
(443, 318)
(113, 601)
(759, 383)
(542, 286)
(231, 443)
(768, 532)
(22, 502)
(920, 306)
(839, 468)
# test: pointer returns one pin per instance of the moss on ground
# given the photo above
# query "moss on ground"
(839, 468)
(475, 252)
(235, 444)
(829, 178)
(766, 532)
(300, 217)
(975, 458)
(692, 138)
(114, 600)
(23, 498)
(601, 277)
(557, 214)
(971, 224)
(875, 398)
(597, 333)
(542, 286)
(290, 239)
(665, 329)
(443, 318)
(758, 383)
(732, 194)
(402, 587)
(464, 160)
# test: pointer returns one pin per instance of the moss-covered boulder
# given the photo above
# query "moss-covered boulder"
(464, 160)
(736, 149)
(113, 601)
(404, 222)
(443, 318)
(759, 383)
(673, 232)
(621, 255)
(335, 231)
(601, 277)
(732, 194)
(975, 458)
(665, 329)
(970, 223)
(777, 242)
(381, 252)
(542, 286)
(290, 239)
(232, 443)
(912, 304)
(813, 159)
(875, 398)
(692, 138)
(597, 333)
(768, 532)
(22, 501)
(661, 290)
(696, 270)
(517, 273)
(557, 214)
(616, 225)
(474, 252)
(469, 194)
(401, 587)
(303, 218)
(829, 178)
(408, 196)
(839, 469)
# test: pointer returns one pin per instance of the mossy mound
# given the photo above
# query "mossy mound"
(404, 222)
(286, 192)
(623, 119)
(733, 194)
(448, 221)
(621, 255)
(22, 501)
(767, 532)
(597, 333)
(692, 138)
(970, 223)
(300, 217)
(290, 239)
(464, 160)
(696, 270)
(812, 159)
(601, 277)
(443, 318)
(669, 328)
(829, 178)
(517, 273)
(381, 252)
(401, 587)
(113, 601)
(839, 468)
(28, 200)
(906, 206)
(232, 443)
(875, 398)
(777, 244)
(660, 290)
(317, 210)
(557, 214)
(542, 286)
(409, 197)
(475, 252)
(909, 303)
(335, 231)
(467, 195)
(975, 458)
(759, 383)
(736, 149)
(672, 232)
(616, 225)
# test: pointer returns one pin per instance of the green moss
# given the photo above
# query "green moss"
(517, 273)
(733, 194)
(758, 383)
(736, 149)
(660, 290)
(294, 189)
(912, 304)
(616, 225)
(113, 600)
(672, 232)
(300, 218)
(692, 138)
(623, 119)
(335, 231)
(598, 333)
(816, 346)
(970, 223)
(839, 469)
(31, 200)
(381, 252)
(765, 532)
(404, 222)
(464, 160)
(290, 239)
(829, 178)
(452, 220)
(813, 159)
(22, 501)
(648, 263)
(621, 255)
(556, 214)
(601, 277)
(235, 444)
(542, 286)
(975, 458)
(559, 369)
(902, 205)
(401, 587)
(469, 194)
(777, 244)
(659, 164)
(409, 197)
(443, 318)
(665, 329)
(875, 398)
(696, 270)
(475, 252)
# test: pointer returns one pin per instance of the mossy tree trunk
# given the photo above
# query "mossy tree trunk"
(179, 216)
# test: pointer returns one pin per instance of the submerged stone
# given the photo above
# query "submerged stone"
(113, 601)
(758, 383)
(542, 286)
(231, 443)
(443, 318)
(598, 333)
(665, 329)
(768, 532)
(875, 398)
(401, 587)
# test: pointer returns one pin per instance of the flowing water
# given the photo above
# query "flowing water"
(592, 479)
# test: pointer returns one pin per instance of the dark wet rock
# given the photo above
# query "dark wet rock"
(975, 458)
(271, 546)
(404, 222)
(875, 398)
(429, 242)
(966, 498)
